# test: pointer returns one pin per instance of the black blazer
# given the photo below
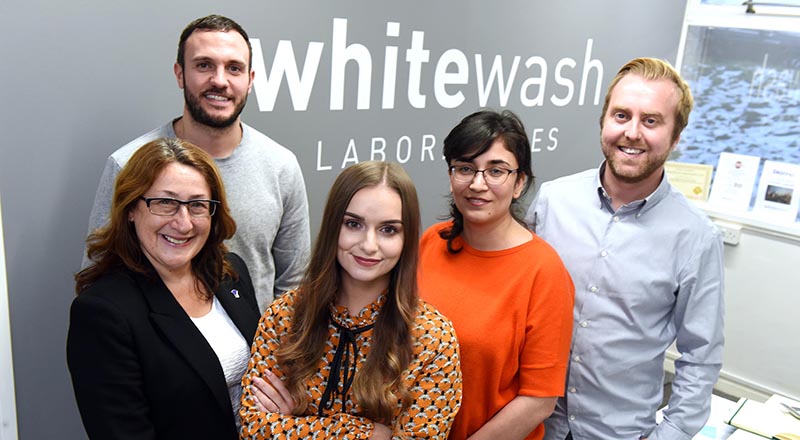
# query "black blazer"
(141, 369)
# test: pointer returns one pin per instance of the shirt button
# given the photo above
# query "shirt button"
(593, 289)
(616, 218)
(572, 389)
(638, 215)
(584, 324)
(576, 358)
(572, 417)
(604, 254)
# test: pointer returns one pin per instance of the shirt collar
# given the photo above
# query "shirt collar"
(368, 315)
(640, 207)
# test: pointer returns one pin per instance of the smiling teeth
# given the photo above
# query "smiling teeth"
(217, 97)
(175, 240)
(630, 150)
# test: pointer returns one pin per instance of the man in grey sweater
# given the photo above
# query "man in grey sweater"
(263, 181)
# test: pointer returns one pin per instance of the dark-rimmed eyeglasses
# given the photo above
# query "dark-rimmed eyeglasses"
(492, 176)
(167, 206)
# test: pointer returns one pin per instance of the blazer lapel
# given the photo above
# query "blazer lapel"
(168, 316)
(239, 310)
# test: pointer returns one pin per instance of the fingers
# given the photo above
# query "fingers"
(283, 398)
(271, 395)
(263, 402)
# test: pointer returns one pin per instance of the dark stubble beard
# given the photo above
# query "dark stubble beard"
(202, 117)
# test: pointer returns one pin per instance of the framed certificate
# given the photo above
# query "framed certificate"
(693, 180)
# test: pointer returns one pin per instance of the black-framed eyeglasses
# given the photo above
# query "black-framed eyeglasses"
(492, 176)
(167, 206)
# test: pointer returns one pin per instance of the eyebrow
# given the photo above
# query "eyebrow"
(491, 162)
(174, 195)
(209, 59)
(358, 217)
(645, 114)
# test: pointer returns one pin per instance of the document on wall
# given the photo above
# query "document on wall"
(734, 181)
(692, 179)
(778, 192)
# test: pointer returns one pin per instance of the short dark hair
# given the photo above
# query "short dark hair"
(213, 23)
(473, 136)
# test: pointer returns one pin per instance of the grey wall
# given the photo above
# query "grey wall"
(82, 78)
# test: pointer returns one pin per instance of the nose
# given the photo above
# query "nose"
(633, 132)
(182, 220)
(218, 79)
(370, 242)
(478, 181)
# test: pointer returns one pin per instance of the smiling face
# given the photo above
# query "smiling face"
(171, 242)
(215, 77)
(480, 203)
(637, 133)
(370, 239)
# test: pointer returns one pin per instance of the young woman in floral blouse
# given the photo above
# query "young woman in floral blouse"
(353, 352)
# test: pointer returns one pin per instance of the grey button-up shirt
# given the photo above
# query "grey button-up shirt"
(646, 275)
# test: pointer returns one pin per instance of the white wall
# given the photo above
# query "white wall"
(8, 407)
(762, 335)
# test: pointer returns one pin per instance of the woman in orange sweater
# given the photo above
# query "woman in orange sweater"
(506, 291)
(353, 353)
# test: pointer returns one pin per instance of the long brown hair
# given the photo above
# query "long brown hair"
(116, 245)
(378, 385)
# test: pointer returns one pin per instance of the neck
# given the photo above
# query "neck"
(355, 296)
(622, 193)
(503, 234)
(218, 142)
(190, 294)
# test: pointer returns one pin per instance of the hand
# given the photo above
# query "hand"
(380, 432)
(271, 395)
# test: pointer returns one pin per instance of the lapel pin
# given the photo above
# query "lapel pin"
(235, 293)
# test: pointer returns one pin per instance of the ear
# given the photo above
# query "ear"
(519, 185)
(252, 78)
(178, 70)
(675, 143)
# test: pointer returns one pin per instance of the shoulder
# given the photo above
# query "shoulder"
(236, 262)
(431, 326)
(117, 293)
(691, 216)
(121, 155)
(277, 318)
(432, 233)
(117, 286)
(568, 183)
(259, 142)
(283, 305)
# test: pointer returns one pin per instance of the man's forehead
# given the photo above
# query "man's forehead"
(636, 89)
(203, 40)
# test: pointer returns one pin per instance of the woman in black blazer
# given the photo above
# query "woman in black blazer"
(161, 328)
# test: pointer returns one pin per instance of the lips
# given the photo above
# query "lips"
(175, 241)
(366, 262)
(216, 97)
(475, 201)
(631, 151)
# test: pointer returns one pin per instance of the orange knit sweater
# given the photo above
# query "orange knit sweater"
(512, 311)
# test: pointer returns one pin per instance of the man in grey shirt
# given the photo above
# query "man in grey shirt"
(648, 271)
(263, 180)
